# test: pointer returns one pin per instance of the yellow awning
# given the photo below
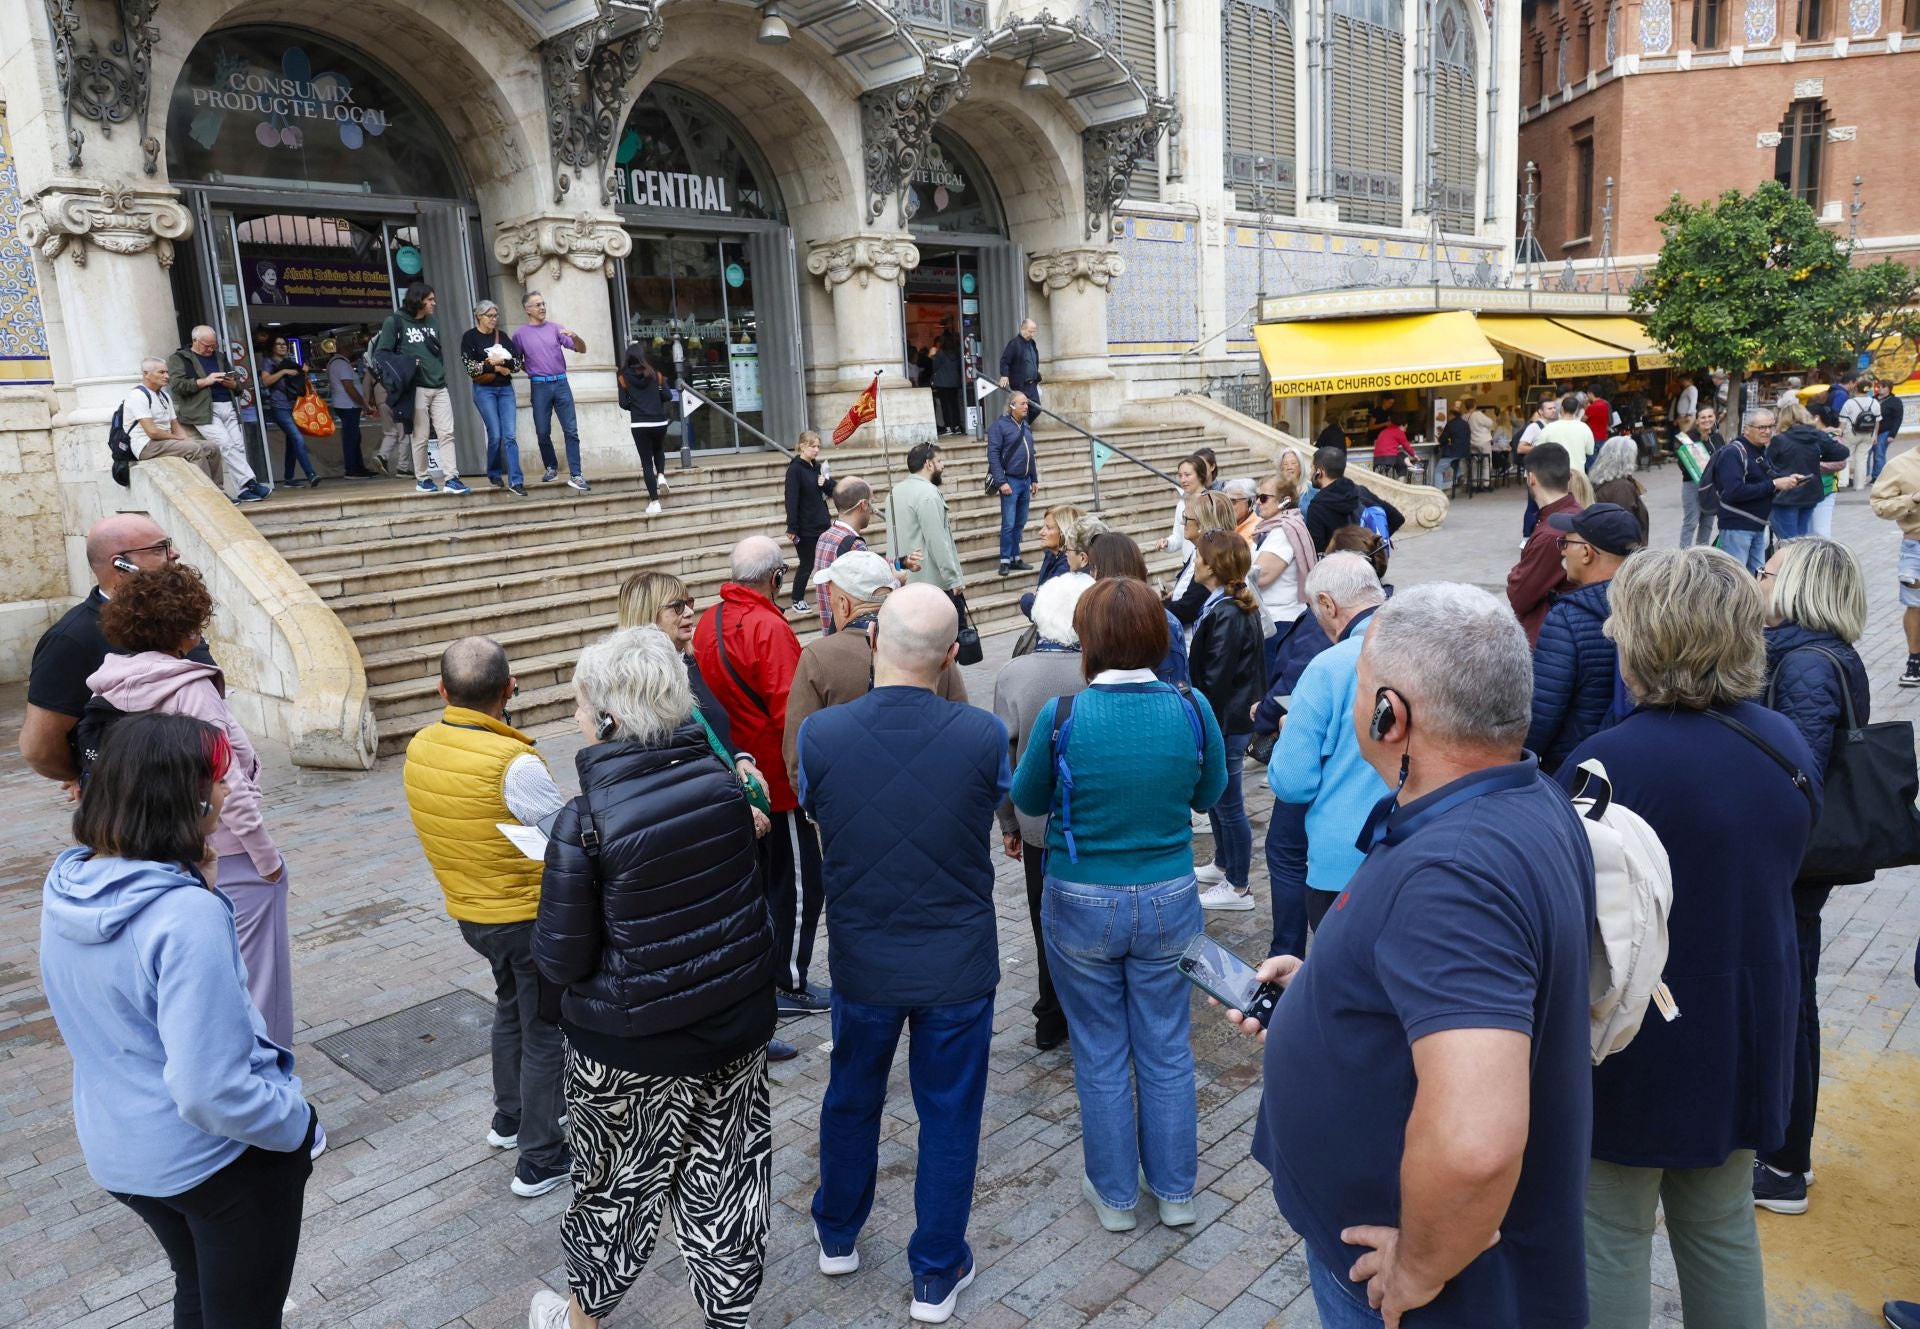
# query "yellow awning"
(1629, 334)
(1561, 352)
(1376, 354)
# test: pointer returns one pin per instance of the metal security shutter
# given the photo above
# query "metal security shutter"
(1137, 27)
(783, 393)
(1368, 109)
(1257, 85)
(446, 252)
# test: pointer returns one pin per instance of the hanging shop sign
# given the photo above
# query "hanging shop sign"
(677, 191)
(339, 282)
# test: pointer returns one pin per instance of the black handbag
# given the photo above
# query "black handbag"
(971, 652)
(1868, 821)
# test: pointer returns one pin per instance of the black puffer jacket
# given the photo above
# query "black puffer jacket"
(1799, 451)
(1227, 663)
(1339, 504)
(665, 925)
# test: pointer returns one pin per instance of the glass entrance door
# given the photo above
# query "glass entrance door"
(942, 314)
(690, 302)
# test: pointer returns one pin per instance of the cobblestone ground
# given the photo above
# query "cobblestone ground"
(410, 1223)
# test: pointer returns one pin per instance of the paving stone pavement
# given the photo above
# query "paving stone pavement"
(409, 1221)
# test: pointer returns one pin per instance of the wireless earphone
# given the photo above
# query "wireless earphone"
(1382, 714)
(607, 727)
(125, 564)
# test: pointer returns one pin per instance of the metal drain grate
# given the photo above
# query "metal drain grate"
(409, 1046)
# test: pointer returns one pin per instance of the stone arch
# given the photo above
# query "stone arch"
(484, 92)
(1031, 149)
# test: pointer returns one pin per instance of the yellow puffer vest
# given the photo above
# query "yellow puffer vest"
(455, 776)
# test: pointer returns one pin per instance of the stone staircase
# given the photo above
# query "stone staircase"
(409, 573)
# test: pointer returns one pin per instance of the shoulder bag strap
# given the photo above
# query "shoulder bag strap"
(1794, 773)
(1847, 711)
(720, 645)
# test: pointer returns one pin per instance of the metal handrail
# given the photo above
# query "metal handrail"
(1093, 441)
(686, 448)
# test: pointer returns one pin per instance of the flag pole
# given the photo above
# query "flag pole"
(880, 423)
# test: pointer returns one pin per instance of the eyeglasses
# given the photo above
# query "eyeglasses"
(1267, 498)
(680, 606)
(164, 547)
(1567, 542)
(1766, 574)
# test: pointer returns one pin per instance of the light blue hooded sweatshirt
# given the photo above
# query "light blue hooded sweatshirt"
(173, 1073)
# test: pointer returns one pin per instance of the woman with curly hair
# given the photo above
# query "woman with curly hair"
(157, 617)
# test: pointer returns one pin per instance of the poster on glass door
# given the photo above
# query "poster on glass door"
(743, 367)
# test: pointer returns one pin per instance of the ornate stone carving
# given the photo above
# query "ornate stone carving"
(1805, 89)
(1767, 138)
(1843, 133)
(586, 242)
(586, 73)
(1111, 152)
(1078, 266)
(895, 124)
(864, 257)
(107, 88)
(74, 215)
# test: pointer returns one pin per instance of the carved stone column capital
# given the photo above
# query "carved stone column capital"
(863, 257)
(584, 242)
(1078, 266)
(71, 216)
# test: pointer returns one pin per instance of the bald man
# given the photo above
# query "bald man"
(71, 650)
(747, 655)
(904, 784)
(466, 775)
(203, 383)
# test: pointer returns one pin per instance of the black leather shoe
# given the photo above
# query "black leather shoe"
(1049, 1039)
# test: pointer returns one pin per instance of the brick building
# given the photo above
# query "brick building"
(1701, 96)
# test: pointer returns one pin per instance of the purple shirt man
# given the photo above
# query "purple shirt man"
(542, 347)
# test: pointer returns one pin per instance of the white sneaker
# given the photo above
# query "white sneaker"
(1202, 823)
(1209, 874)
(653, 508)
(835, 1265)
(1224, 896)
(319, 1142)
(549, 1311)
(939, 1312)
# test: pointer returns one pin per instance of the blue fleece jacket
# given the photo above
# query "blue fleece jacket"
(173, 1073)
(1318, 762)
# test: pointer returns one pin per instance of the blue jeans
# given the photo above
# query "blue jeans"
(1879, 456)
(947, 1067)
(296, 450)
(1287, 877)
(497, 409)
(1530, 518)
(1111, 950)
(1791, 523)
(1232, 832)
(1013, 517)
(1341, 1302)
(1795, 1153)
(1444, 468)
(348, 418)
(1750, 547)
(549, 398)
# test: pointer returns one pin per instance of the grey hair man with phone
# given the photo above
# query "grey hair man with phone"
(206, 388)
(1438, 1160)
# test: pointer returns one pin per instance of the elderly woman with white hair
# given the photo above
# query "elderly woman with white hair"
(653, 923)
(487, 354)
(1614, 481)
(1027, 683)
(1679, 1113)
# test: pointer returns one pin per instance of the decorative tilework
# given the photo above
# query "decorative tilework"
(1863, 17)
(1656, 26)
(1762, 22)
(1613, 33)
(23, 333)
(1155, 307)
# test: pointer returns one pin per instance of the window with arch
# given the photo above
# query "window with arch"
(1810, 20)
(1534, 73)
(1803, 140)
(1136, 26)
(1446, 182)
(1366, 109)
(1257, 87)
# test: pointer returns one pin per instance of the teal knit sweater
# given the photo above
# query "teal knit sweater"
(1136, 776)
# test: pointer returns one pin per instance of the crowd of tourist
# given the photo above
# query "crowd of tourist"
(1464, 1156)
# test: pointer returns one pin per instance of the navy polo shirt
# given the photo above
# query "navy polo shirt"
(1473, 911)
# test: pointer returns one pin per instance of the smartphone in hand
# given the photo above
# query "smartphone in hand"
(1228, 979)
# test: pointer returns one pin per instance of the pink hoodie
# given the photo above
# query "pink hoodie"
(152, 681)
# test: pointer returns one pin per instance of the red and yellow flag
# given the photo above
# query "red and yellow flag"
(864, 408)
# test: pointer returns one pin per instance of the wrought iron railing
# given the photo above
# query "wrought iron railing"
(1244, 392)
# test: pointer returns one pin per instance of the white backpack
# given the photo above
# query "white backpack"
(1633, 893)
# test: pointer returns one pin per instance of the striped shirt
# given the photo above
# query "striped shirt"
(824, 553)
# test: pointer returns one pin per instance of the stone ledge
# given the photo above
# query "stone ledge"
(293, 670)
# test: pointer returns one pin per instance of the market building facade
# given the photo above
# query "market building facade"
(778, 201)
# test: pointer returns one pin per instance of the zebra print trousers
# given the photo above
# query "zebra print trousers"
(700, 1146)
